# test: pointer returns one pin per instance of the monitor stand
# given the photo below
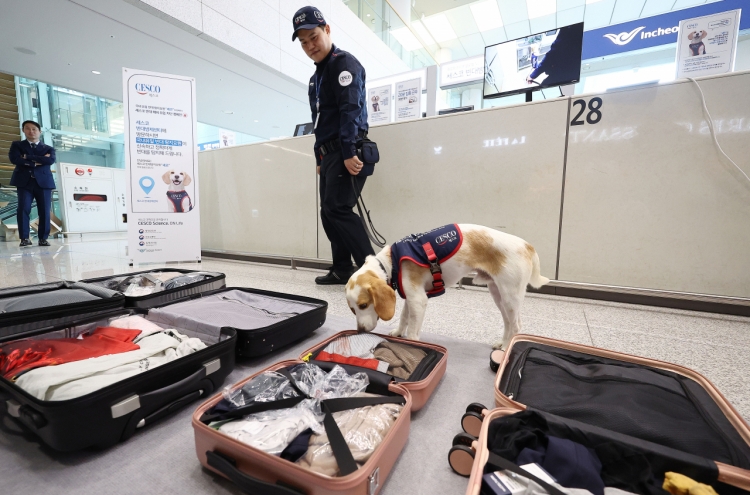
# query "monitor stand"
(528, 96)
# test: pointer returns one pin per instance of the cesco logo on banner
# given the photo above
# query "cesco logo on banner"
(79, 171)
(147, 89)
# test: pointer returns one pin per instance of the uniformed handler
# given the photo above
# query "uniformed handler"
(339, 113)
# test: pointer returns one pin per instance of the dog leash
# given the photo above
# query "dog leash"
(374, 236)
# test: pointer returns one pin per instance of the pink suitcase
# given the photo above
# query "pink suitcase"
(420, 386)
(572, 384)
(258, 472)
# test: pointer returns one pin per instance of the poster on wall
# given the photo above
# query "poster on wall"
(226, 138)
(408, 96)
(161, 160)
(707, 45)
(379, 105)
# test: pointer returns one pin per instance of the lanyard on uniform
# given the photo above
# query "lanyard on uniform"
(317, 101)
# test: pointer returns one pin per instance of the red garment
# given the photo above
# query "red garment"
(23, 355)
(372, 364)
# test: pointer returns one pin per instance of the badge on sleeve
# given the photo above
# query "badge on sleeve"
(345, 78)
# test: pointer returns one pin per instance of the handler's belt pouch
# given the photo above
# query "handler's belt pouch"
(367, 152)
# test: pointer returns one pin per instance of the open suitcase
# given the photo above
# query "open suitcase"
(264, 320)
(670, 414)
(45, 306)
(104, 416)
(421, 382)
(257, 472)
(165, 285)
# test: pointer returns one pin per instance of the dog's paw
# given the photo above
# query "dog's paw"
(395, 333)
(499, 346)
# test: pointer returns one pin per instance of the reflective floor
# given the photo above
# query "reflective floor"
(715, 345)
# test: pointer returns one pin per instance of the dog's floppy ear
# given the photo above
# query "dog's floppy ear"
(165, 177)
(384, 299)
(187, 180)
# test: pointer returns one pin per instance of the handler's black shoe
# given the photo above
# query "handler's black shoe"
(333, 278)
(25, 242)
(43, 242)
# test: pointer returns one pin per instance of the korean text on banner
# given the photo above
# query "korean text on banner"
(379, 105)
(161, 159)
(408, 99)
(707, 45)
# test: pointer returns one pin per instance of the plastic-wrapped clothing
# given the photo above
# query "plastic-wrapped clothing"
(70, 380)
(186, 279)
(23, 355)
(402, 359)
(679, 484)
(363, 429)
(136, 322)
(297, 447)
(359, 345)
(271, 431)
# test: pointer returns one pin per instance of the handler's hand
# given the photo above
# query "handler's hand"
(318, 167)
(353, 165)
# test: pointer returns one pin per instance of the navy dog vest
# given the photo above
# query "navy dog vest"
(427, 250)
(176, 198)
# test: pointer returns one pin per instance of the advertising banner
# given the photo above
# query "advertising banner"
(461, 72)
(379, 105)
(161, 160)
(707, 45)
(408, 100)
(226, 138)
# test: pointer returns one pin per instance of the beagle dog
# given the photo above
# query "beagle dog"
(696, 43)
(179, 200)
(375, 103)
(503, 262)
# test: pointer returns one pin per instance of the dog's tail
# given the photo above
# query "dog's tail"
(537, 280)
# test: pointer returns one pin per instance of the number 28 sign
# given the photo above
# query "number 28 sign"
(594, 115)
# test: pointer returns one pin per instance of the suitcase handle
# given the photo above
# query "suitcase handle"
(161, 402)
(248, 484)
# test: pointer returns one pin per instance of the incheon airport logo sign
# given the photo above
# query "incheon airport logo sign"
(625, 38)
(144, 89)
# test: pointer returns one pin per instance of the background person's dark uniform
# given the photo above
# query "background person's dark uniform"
(338, 85)
(33, 180)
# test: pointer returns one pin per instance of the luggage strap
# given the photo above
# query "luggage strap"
(495, 461)
(341, 451)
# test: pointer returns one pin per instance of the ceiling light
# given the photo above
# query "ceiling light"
(440, 28)
(25, 51)
(486, 15)
(255, 121)
(407, 39)
(423, 33)
(368, 15)
(95, 72)
(228, 112)
(540, 8)
(592, 1)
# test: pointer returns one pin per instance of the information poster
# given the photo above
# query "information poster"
(379, 105)
(707, 45)
(408, 96)
(161, 159)
(226, 138)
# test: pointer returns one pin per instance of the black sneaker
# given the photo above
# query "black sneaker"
(25, 242)
(43, 242)
(333, 278)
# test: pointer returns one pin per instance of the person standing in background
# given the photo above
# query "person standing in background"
(33, 180)
(339, 112)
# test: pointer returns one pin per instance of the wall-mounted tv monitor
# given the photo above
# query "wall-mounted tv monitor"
(303, 129)
(543, 60)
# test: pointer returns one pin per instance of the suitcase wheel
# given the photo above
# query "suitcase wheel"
(463, 439)
(461, 459)
(476, 407)
(496, 357)
(471, 422)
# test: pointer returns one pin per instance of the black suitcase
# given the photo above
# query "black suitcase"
(42, 307)
(114, 413)
(264, 320)
(215, 281)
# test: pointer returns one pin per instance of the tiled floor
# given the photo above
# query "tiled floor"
(714, 345)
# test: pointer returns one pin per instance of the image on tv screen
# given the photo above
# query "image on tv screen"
(538, 61)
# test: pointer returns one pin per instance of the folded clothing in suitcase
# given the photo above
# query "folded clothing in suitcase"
(150, 288)
(95, 381)
(44, 306)
(670, 414)
(417, 366)
(264, 321)
(349, 440)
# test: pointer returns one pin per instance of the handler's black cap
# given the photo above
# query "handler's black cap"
(307, 18)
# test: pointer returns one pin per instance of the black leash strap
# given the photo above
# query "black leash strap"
(495, 461)
(374, 236)
(255, 407)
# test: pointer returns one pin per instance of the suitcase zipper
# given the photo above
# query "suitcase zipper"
(514, 381)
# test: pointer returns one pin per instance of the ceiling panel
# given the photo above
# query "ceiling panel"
(542, 24)
(430, 7)
(513, 11)
(462, 21)
(598, 14)
(570, 16)
(627, 11)
(656, 7)
(473, 44)
(494, 36)
(569, 4)
(518, 30)
(684, 4)
(456, 48)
